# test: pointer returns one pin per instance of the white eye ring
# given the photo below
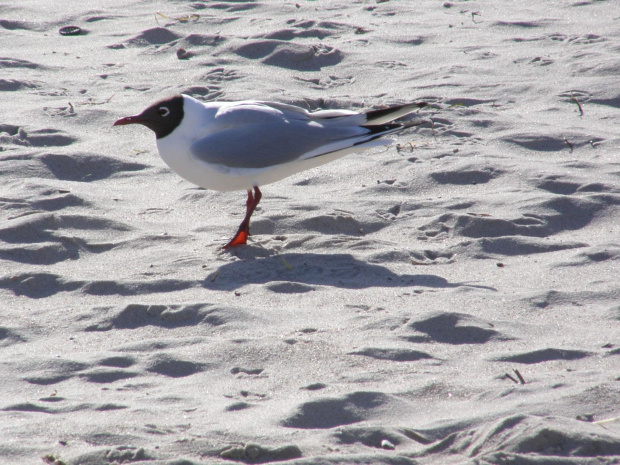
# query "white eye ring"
(163, 111)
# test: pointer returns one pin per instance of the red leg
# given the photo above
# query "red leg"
(243, 232)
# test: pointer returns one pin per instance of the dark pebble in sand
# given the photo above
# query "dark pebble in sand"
(70, 31)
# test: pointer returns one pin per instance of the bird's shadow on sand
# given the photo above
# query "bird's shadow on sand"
(301, 271)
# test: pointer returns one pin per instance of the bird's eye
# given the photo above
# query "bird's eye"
(163, 111)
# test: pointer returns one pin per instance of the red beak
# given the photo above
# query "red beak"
(129, 120)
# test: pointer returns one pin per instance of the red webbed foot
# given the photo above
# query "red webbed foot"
(241, 238)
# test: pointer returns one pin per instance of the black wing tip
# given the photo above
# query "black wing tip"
(379, 130)
(383, 128)
(383, 112)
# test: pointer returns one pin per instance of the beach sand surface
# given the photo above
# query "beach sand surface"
(453, 298)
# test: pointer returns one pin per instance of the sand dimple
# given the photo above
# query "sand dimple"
(13, 85)
(395, 355)
(288, 55)
(544, 355)
(327, 413)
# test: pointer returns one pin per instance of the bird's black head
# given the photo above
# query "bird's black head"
(162, 117)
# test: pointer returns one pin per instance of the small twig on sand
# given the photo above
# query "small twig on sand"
(181, 19)
(574, 99)
(433, 127)
(285, 263)
(511, 378)
(607, 420)
(90, 101)
(519, 376)
(401, 148)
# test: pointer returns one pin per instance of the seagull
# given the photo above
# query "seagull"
(242, 145)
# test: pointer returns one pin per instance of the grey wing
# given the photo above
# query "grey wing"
(272, 143)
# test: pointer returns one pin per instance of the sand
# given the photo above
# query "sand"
(451, 299)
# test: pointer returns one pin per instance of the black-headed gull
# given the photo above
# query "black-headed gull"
(229, 146)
